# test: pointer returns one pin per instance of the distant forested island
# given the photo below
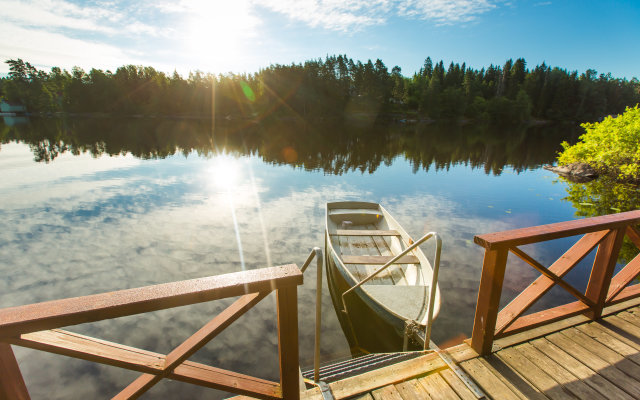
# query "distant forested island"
(333, 87)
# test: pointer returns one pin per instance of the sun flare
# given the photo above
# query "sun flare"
(217, 30)
(224, 172)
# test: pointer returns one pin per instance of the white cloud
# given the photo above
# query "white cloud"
(332, 14)
(445, 12)
(356, 14)
(56, 14)
(44, 48)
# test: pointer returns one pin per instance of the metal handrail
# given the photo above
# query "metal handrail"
(434, 286)
(434, 279)
(317, 253)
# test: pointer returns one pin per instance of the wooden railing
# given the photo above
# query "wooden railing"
(36, 326)
(603, 289)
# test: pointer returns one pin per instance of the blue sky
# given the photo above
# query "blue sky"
(244, 35)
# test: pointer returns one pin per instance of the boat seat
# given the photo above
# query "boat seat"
(365, 232)
(379, 260)
(355, 216)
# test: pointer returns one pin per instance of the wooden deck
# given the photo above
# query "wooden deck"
(574, 358)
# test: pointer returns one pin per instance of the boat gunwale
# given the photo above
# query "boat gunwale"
(406, 239)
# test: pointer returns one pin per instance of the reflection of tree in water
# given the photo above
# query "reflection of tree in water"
(335, 147)
(604, 196)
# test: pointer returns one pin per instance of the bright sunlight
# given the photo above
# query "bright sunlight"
(224, 171)
(216, 30)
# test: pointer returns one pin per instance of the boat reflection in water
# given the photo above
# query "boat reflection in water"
(379, 279)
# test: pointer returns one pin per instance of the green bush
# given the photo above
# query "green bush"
(612, 146)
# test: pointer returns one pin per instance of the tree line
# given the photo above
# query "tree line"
(333, 87)
(334, 147)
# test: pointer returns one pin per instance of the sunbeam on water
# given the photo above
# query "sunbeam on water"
(225, 174)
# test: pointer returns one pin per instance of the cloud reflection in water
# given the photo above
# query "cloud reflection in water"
(80, 226)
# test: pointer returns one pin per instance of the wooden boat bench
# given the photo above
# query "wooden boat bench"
(364, 232)
(379, 260)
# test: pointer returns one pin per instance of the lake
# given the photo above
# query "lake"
(95, 205)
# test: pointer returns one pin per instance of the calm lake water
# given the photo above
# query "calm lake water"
(89, 206)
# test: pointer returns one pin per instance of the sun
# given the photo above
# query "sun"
(224, 172)
(216, 31)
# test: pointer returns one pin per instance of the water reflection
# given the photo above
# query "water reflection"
(605, 196)
(333, 147)
(73, 224)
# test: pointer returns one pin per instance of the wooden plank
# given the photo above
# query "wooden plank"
(484, 323)
(91, 349)
(104, 352)
(379, 260)
(544, 317)
(138, 387)
(287, 304)
(358, 211)
(194, 343)
(634, 234)
(358, 271)
(534, 234)
(399, 372)
(365, 396)
(59, 313)
(624, 277)
(591, 360)
(611, 340)
(457, 385)
(387, 393)
(629, 316)
(622, 327)
(546, 272)
(533, 333)
(542, 284)
(12, 384)
(581, 371)
(395, 271)
(628, 293)
(490, 380)
(607, 354)
(216, 378)
(602, 271)
(558, 372)
(365, 232)
(364, 248)
(511, 378)
(533, 374)
(412, 390)
(438, 388)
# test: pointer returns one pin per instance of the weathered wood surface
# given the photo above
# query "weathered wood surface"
(543, 284)
(557, 230)
(12, 384)
(18, 325)
(72, 311)
(578, 359)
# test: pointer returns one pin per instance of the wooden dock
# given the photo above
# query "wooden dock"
(573, 359)
(587, 349)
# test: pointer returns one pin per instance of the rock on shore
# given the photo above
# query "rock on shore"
(577, 172)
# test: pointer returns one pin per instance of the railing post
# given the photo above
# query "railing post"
(602, 271)
(484, 324)
(12, 384)
(287, 303)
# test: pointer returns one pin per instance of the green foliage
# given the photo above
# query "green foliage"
(611, 146)
(605, 196)
(336, 86)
